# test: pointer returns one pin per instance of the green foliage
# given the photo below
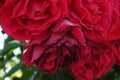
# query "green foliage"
(9, 47)
(14, 69)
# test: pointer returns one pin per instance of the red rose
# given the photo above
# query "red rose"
(116, 46)
(64, 46)
(98, 62)
(95, 16)
(1, 5)
(82, 70)
(23, 18)
(80, 35)
(56, 48)
(114, 31)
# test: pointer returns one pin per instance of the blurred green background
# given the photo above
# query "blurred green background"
(12, 67)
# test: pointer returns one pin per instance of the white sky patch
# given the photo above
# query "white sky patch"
(7, 78)
(17, 51)
(1, 39)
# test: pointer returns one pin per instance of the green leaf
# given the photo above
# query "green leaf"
(8, 47)
(14, 69)
(27, 74)
(2, 65)
(34, 76)
(8, 39)
(60, 75)
(43, 76)
(117, 68)
(47, 76)
(66, 75)
(4, 60)
(63, 74)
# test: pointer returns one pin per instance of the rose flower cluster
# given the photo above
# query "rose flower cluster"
(82, 36)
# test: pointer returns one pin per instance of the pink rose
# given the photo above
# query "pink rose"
(22, 19)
